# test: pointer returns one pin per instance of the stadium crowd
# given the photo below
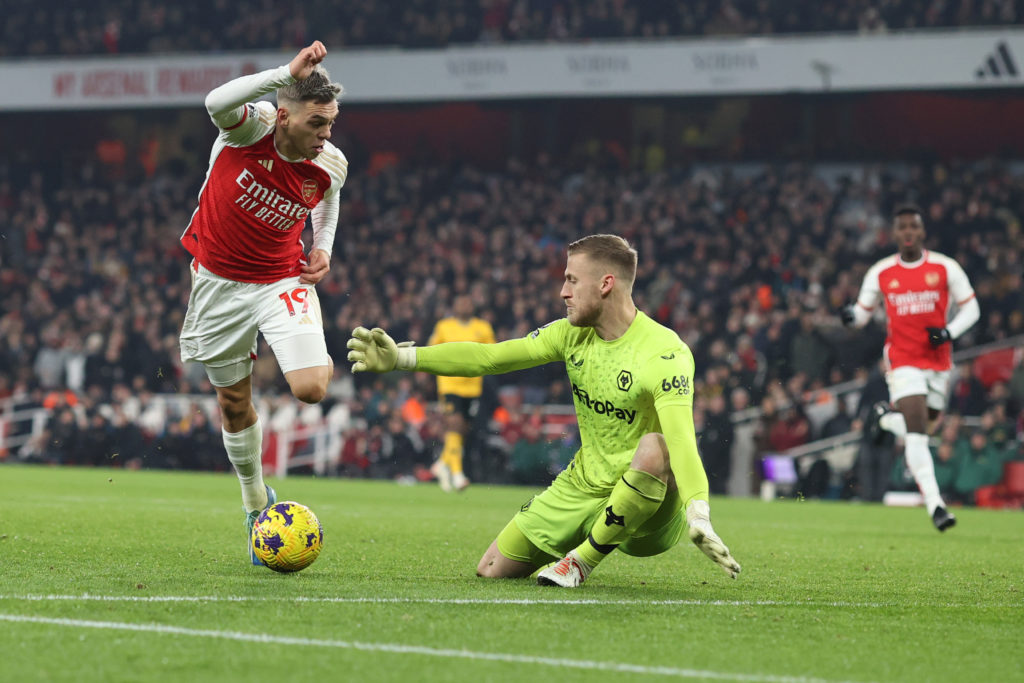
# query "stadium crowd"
(81, 27)
(747, 262)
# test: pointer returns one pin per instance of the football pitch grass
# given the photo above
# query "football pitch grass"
(112, 575)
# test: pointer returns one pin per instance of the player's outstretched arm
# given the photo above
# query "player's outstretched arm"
(302, 64)
(375, 351)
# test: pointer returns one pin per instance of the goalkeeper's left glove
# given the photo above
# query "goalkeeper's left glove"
(705, 538)
(375, 351)
(937, 336)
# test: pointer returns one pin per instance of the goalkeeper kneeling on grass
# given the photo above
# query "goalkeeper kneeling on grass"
(637, 481)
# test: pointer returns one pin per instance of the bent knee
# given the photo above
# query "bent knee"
(653, 441)
(309, 385)
(494, 565)
(487, 570)
(652, 455)
(310, 393)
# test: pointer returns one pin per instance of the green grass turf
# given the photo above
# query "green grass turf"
(829, 591)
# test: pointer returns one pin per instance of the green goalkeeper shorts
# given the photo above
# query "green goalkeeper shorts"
(558, 519)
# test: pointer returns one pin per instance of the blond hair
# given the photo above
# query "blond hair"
(610, 250)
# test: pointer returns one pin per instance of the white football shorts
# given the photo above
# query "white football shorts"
(910, 381)
(224, 317)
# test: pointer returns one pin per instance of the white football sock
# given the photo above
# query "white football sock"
(919, 462)
(245, 450)
(893, 422)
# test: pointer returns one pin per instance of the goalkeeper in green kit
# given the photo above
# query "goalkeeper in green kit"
(637, 481)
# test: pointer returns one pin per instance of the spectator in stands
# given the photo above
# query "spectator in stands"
(1016, 383)
(95, 441)
(809, 351)
(967, 396)
(840, 423)
(62, 437)
(792, 429)
(1000, 431)
(947, 465)
(530, 458)
(78, 27)
(716, 440)
(980, 463)
(786, 426)
(403, 450)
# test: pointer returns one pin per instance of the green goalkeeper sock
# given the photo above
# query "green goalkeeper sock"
(636, 497)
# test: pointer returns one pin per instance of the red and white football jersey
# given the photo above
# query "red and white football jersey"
(254, 203)
(917, 296)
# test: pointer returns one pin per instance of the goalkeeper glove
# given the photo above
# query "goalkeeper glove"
(705, 538)
(846, 315)
(937, 336)
(375, 351)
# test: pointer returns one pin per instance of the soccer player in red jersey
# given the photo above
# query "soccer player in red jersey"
(917, 287)
(271, 168)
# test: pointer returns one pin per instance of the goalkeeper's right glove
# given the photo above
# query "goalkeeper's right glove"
(375, 351)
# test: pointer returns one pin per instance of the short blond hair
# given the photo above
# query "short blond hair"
(610, 250)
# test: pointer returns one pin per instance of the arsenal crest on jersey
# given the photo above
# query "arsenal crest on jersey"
(931, 279)
(309, 188)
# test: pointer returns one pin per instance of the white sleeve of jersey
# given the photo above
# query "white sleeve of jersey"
(870, 295)
(325, 214)
(962, 294)
(960, 289)
(242, 121)
(325, 223)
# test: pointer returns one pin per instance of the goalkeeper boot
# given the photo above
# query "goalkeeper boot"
(943, 518)
(443, 473)
(459, 482)
(568, 572)
(250, 521)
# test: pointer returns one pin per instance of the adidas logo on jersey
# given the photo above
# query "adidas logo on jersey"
(267, 164)
(998, 65)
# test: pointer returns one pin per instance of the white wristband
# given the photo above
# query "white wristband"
(406, 358)
(698, 509)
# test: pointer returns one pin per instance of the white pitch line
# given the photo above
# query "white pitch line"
(479, 601)
(394, 648)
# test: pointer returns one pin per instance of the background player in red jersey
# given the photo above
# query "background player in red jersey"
(917, 286)
(270, 168)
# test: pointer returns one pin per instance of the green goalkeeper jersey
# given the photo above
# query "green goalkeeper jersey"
(640, 383)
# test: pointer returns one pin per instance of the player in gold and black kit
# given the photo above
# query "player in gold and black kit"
(637, 480)
(460, 396)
